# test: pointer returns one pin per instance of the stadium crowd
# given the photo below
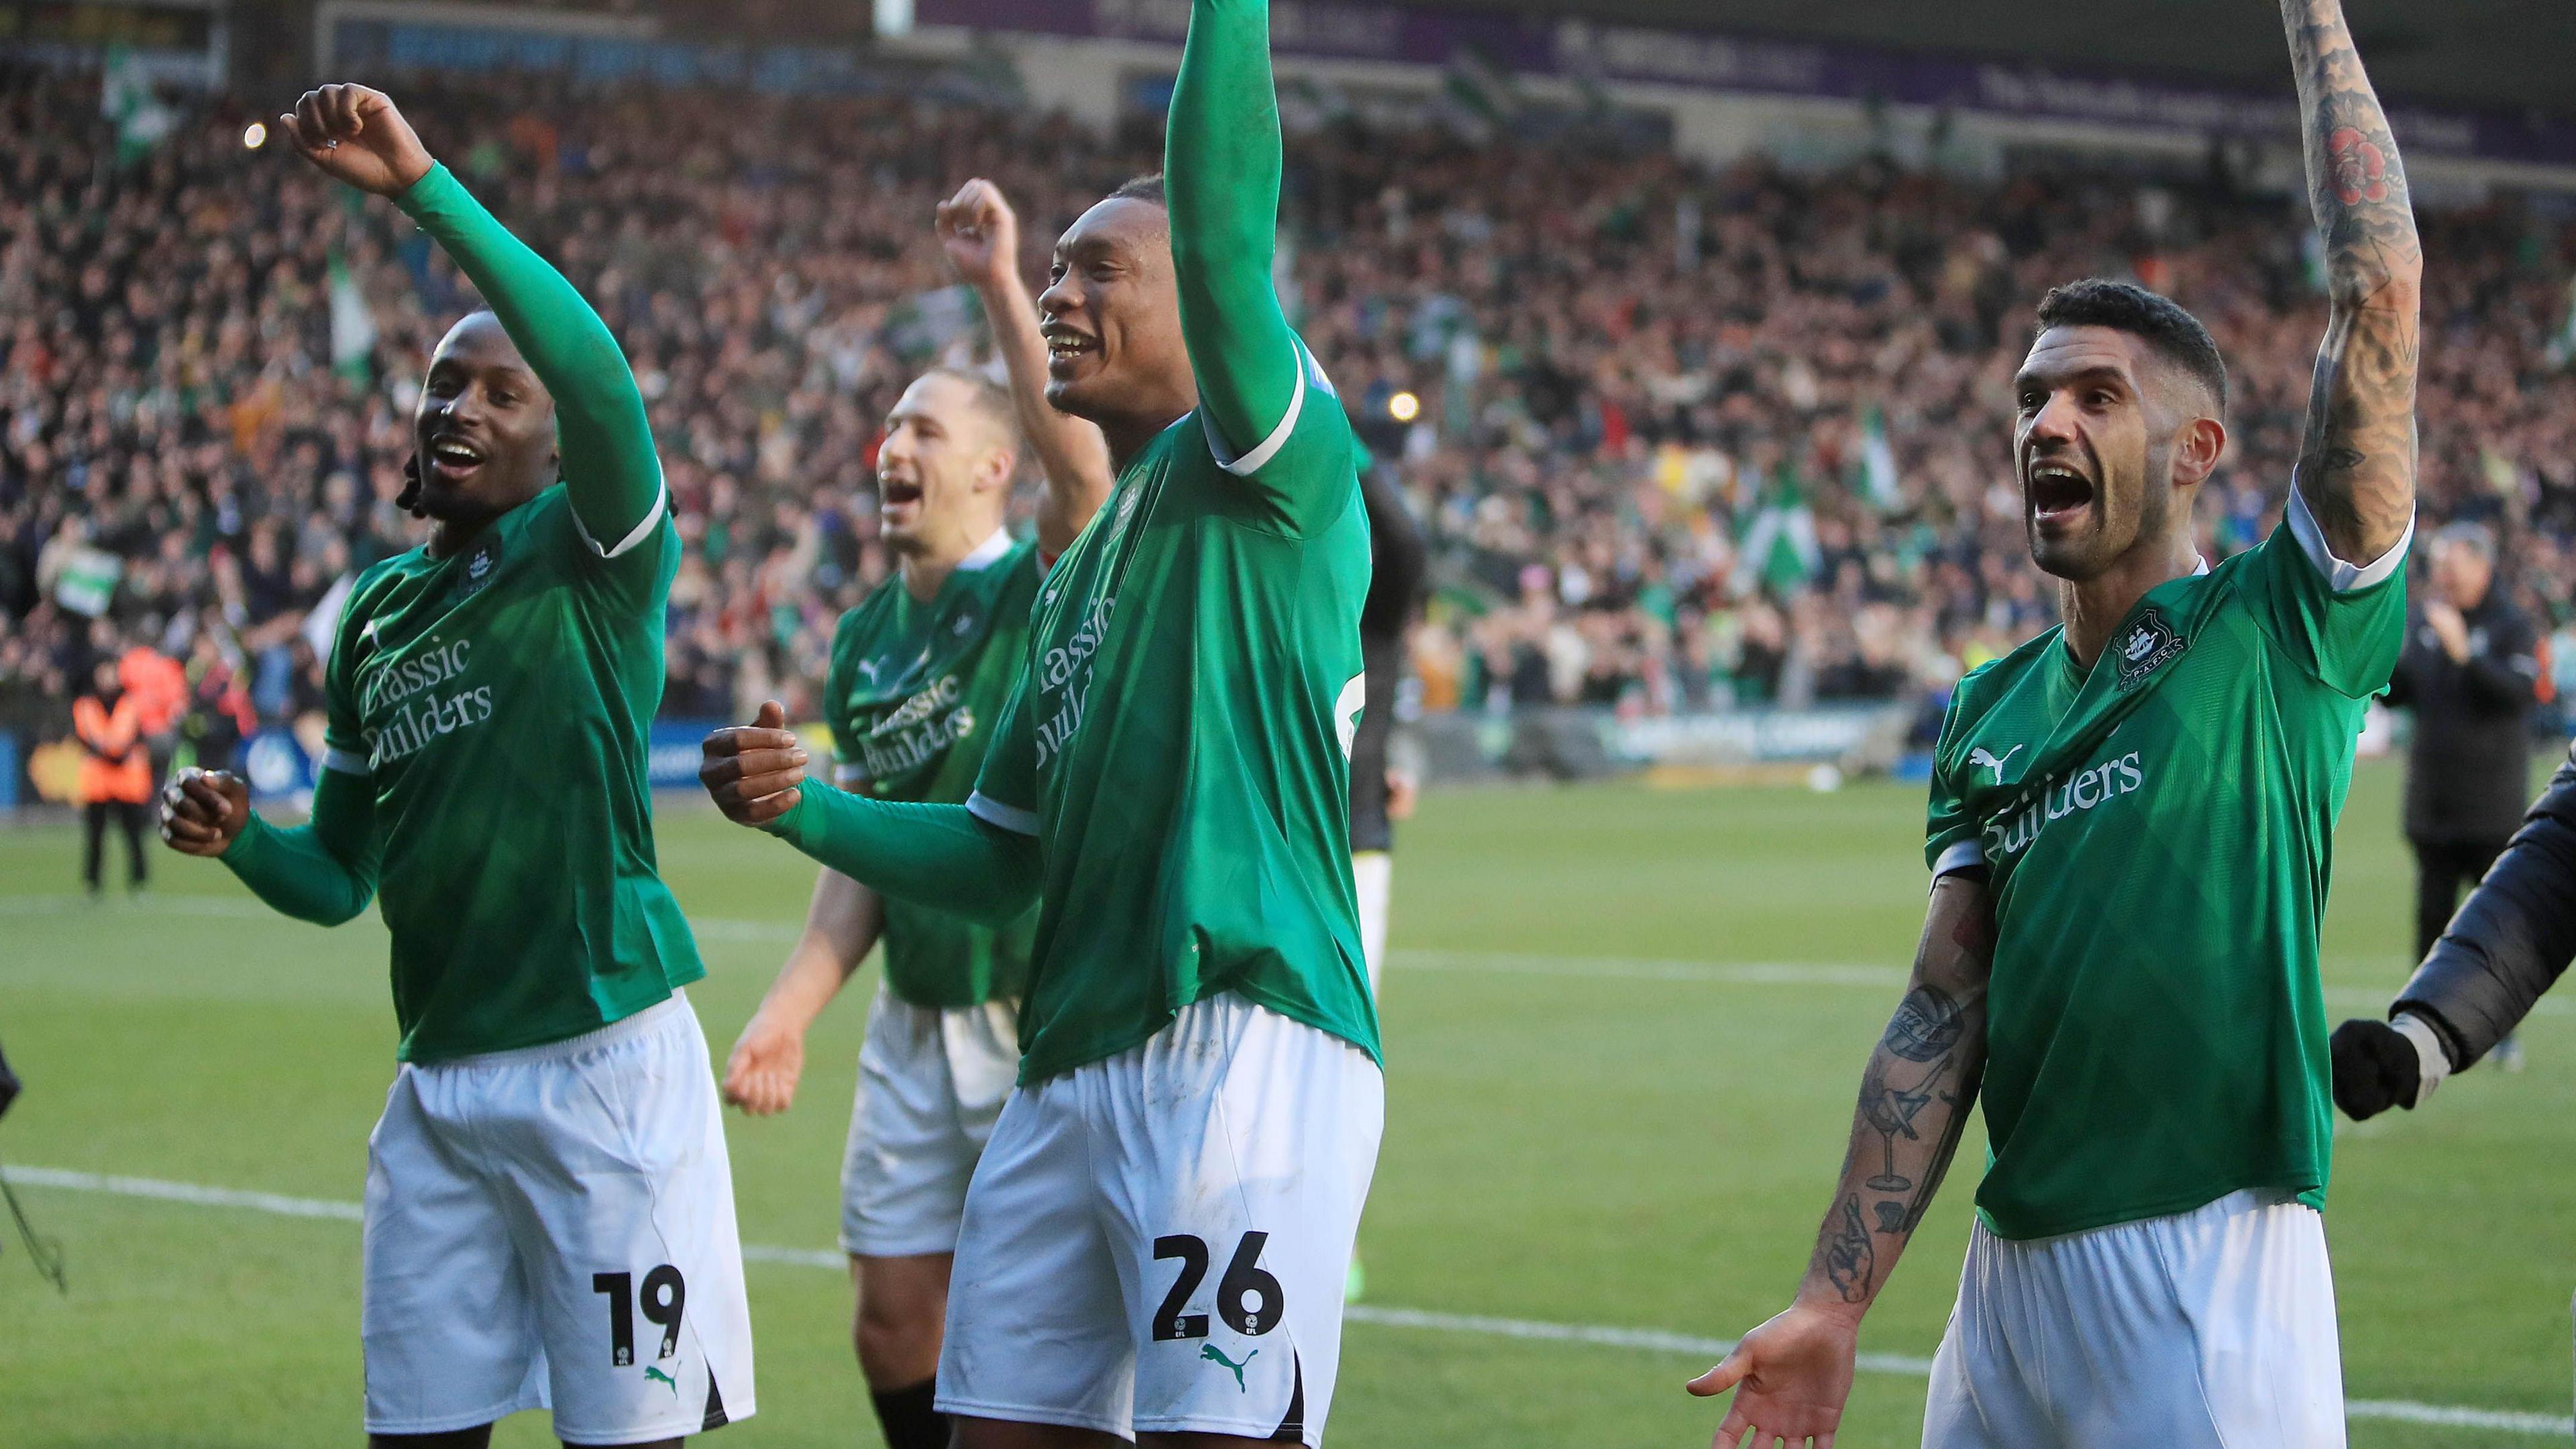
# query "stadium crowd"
(1682, 439)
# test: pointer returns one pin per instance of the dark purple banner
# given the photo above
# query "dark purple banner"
(1581, 49)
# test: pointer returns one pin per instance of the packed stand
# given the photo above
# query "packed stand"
(1683, 440)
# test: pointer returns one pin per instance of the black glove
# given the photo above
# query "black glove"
(2375, 1068)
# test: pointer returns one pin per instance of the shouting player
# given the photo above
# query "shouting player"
(920, 671)
(1156, 1237)
(549, 1213)
(2131, 828)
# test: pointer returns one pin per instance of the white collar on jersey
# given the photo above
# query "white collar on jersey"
(987, 553)
(2200, 565)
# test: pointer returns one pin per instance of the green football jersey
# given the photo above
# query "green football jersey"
(2157, 834)
(914, 691)
(1180, 742)
(497, 702)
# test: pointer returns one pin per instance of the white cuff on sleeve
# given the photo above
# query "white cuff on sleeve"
(2342, 577)
(347, 762)
(1966, 855)
(1007, 817)
(641, 531)
(2432, 1063)
(1250, 463)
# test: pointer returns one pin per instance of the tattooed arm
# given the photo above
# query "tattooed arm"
(2357, 464)
(1796, 1370)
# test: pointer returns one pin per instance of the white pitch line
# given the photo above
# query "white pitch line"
(1480, 963)
(1646, 1340)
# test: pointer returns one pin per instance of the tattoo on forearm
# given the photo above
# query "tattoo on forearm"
(1851, 1263)
(2357, 460)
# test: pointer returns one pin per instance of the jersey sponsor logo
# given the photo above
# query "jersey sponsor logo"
(405, 709)
(2011, 832)
(1978, 759)
(2143, 650)
(1065, 671)
(915, 732)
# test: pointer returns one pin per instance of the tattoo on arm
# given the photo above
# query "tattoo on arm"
(2357, 461)
(1849, 1257)
(1914, 1102)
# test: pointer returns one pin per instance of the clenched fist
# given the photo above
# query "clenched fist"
(753, 770)
(981, 235)
(202, 811)
(356, 135)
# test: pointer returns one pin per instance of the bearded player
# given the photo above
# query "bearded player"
(549, 1213)
(2131, 824)
(920, 671)
(1156, 1237)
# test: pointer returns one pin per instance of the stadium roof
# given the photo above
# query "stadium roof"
(2484, 53)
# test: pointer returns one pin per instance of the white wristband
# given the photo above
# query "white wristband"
(2432, 1062)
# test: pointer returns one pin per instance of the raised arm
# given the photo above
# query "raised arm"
(2357, 465)
(1221, 165)
(356, 135)
(981, 235)
(1795, 1371)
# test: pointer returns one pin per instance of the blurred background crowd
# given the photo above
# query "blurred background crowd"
(1683, 440)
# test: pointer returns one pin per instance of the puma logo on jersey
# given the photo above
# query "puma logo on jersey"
(651, 1372)
(1214, 1354)
(868, 668)
(1978, 758)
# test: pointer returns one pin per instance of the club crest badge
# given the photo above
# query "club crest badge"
(2144, 647)
(481, 563)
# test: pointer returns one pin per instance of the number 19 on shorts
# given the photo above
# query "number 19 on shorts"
(661, 1300)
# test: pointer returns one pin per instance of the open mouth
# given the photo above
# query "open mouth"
(898, 492)
(2057, 493)
(1066, 348)
(453, 457)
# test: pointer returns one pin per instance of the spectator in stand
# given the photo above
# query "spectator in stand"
(2471, 674)
(115, 775)
(1620, 368)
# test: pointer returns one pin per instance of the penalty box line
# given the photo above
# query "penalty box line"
(1646, 1340)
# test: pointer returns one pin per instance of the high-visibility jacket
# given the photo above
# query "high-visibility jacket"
(157, 685)
(114, 763)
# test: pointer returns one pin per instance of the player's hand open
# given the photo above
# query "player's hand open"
(355, 135)
(1791, 1378)
(760, 1078)
(980, 233)
(203, 810)
(753, 770)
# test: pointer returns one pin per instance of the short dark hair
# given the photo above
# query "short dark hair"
(2127, 307)
(1145, 188)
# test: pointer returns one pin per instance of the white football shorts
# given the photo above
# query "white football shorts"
(1158, 1242)
(1373, 881)
(554, 1227)
(932, 1081)
(2211, 1329)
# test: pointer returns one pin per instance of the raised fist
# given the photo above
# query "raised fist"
(980, 234)
(356, 135)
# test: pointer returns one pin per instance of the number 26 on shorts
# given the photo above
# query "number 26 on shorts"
(1247, 1297)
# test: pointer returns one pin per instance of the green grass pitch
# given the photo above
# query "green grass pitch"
(1595, 1117)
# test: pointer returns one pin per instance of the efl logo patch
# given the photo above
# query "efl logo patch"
(2145, 648)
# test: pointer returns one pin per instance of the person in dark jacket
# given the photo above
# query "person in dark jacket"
(2508, 945)
(1381, 792)
(2471, 674)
